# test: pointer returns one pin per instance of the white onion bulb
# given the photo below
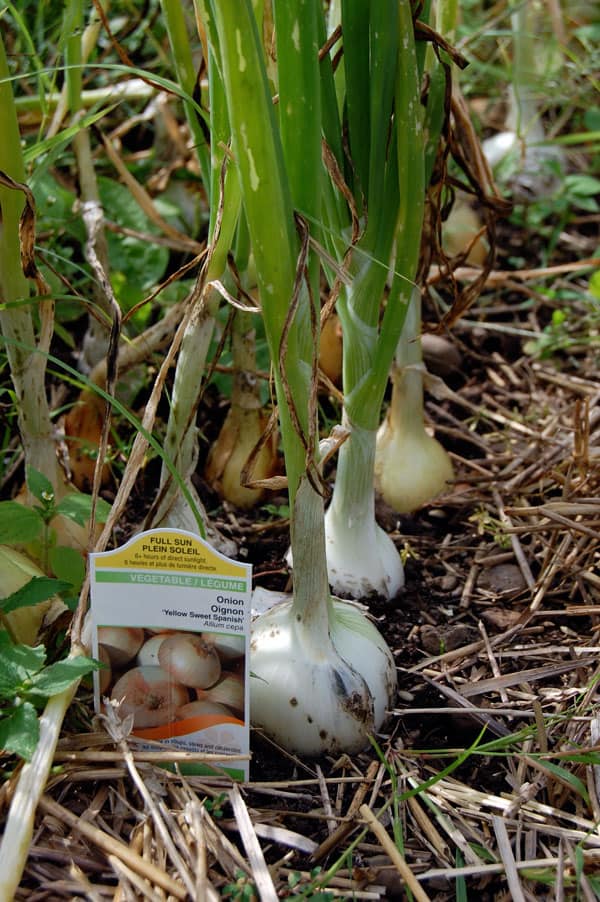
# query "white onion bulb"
(362, 559)
(411, 468)
(319, 694)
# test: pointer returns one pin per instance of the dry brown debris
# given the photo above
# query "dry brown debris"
(488, 777)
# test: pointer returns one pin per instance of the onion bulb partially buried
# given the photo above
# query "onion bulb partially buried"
(317, 692)
(83, 430)
(243, 428)
(150, 695)
(411, 467)
(462, 234)
(362, 559)
(229, 455)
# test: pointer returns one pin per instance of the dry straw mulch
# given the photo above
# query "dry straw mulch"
(488, 777)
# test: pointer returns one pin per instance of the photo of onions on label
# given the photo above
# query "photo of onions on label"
(150, 695)
(172, 682)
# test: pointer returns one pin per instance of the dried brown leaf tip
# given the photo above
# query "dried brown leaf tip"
(26, 232)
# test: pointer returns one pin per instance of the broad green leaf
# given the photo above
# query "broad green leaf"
(78, 507)
(591, 119)
(39, 588)
(595, 284)
(18, 663)
(39, 486)
(103, 509)
(53, 202)
(136, 266)
(20, 731)
(590, 204)
(59, 676)
(18, 524)
(67, 564)
(583, 185)
(588, 32)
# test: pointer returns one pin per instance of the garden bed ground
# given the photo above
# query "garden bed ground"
(487, 778)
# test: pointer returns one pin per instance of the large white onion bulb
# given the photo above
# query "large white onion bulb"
(315, 693)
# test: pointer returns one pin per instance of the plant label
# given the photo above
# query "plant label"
(171, 623)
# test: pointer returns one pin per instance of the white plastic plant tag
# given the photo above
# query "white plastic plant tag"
(171, 620)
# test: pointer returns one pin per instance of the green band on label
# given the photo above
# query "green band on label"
(176, 580)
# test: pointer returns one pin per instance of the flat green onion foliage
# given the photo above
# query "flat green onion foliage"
(172, 508)
(332, 168)
(384, 121)
(310, 688)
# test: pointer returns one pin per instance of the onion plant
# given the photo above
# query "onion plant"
(79, 43)
(387, 146)
(411, 467)
(322, 675)
(243, 459)
(522, 151)
(367, 213)
(27, 319)
(241, 445)
(223, 188)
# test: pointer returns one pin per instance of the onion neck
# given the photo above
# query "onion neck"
(245, 393)
(353, 501)
(523, 112)
(409, 352)
(311, 600)
(406, 407)
(180, 442)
